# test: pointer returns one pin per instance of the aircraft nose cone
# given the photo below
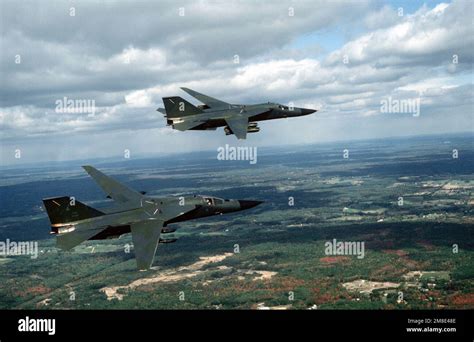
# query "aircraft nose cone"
(248, 204)
(306, 111)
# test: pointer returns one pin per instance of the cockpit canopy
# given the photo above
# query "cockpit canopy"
(213, 200)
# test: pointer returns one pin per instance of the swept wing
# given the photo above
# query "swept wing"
(210, 101)
(117, 191)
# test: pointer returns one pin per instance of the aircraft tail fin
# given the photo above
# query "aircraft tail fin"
(177, 107)
(66, 209)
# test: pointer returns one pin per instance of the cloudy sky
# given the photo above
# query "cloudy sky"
(341, 57)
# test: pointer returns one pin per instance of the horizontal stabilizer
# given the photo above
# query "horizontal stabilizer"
(66, 241)
(185, 125)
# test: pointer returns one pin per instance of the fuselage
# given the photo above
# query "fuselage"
(117, 221)
(217, 117)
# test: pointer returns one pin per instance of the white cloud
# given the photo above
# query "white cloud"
(276, 75)
(127, 73)
(139, 98)
(386, 16)
(434, 34)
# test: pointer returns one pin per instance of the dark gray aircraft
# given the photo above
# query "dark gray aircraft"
(147, 218)
(235, 118)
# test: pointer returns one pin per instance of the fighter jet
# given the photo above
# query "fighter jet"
(236, 119)
(147, 218)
